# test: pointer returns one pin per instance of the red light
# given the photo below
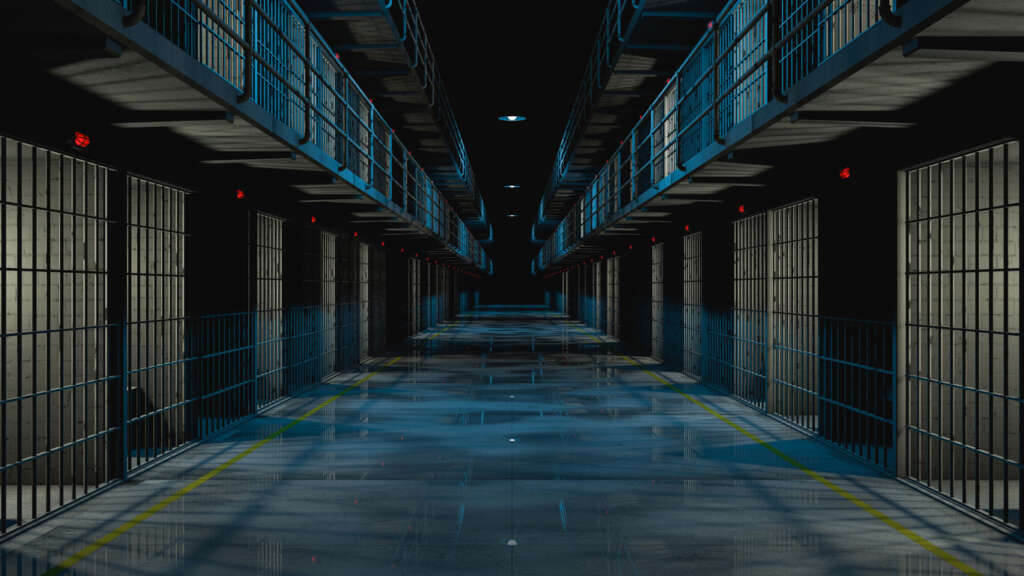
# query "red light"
(240, 194)
(403, 250)
(686, 228)
(845, 173)
(711, 25)
(382, 243)
(82, 140)
(614, 253)
(653, 239)
(312, 219)
(742, 209)
(355, 234)
(630, 246)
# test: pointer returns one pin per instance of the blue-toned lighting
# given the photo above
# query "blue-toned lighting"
(512, 215)
(511, 186)
(512, 118)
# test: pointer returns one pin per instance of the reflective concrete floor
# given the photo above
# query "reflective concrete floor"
(512, 443)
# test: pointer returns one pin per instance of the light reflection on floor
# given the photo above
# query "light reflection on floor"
(416, 472)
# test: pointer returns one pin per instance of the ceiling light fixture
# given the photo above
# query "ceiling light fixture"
(512, 118)
(511, 186)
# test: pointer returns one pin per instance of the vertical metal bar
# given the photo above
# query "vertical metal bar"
(34, 263)
(901, 440)
(20, 420)
(307, 133)
(1006, 335)
(3, 332)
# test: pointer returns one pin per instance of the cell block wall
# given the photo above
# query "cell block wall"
(657, 301)
(963, 356)
(693, 300)
(56, 376)
(794, 317)
(269, 307)
(157, 322)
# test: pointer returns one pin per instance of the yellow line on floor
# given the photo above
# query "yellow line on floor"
(915, 537)
(109, 537)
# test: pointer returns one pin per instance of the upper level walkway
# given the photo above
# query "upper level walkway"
(770, 74)
(252, 83)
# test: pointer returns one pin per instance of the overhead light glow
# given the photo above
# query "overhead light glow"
(512, 118)
(512, 215)
(511, 186)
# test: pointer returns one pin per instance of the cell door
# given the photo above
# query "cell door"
(692, 303)
(961, 285)
(657, 301)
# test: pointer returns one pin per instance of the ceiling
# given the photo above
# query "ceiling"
(525, 57)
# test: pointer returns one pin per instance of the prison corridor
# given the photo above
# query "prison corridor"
(511, 441)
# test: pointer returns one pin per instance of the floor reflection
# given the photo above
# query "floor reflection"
(511, 443)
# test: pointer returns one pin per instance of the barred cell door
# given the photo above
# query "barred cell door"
(692, 303)
(961, 409)
(657, 301)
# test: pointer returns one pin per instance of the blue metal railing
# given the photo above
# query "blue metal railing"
(754, 51)
(831, 376)
(273, 56)
(412, 35)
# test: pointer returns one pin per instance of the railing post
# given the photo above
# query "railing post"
(247, 60)
(714, 101)
(775, 50)
(307, 133)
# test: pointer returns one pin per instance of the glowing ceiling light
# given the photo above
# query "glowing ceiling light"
(512, 118)
(511, 186)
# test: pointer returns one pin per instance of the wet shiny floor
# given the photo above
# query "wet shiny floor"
(513, 443)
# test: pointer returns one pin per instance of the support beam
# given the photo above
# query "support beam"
(727, 181)
(679, 15)
(984, 48)
(237, 157)
(365, 47)
(338, 15)
(659, 47)
(169, 118)
(853, 118)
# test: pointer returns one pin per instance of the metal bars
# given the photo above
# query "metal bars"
(794, 329)
(692, 303)
(54, 299)
(270, 307)
(963, 335)
(750, 306)
(156, 319)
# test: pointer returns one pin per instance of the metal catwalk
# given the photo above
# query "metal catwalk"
(511, 442)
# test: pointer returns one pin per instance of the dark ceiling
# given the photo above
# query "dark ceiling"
(525, 57)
